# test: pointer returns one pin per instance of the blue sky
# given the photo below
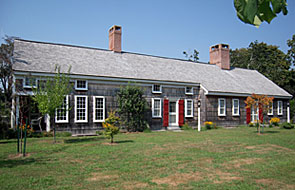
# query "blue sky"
(162, 28)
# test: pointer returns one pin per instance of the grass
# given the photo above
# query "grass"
(216, 159)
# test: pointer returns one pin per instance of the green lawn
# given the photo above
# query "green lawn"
(218, 159)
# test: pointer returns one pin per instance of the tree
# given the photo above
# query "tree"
(266, 59)
(255, 12)
(132, 106)
(6, 51)
(111, 126)
(291, 51)
(261, 102)
(50, 94)
(192, 57)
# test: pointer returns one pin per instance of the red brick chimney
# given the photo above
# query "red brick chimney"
(115, 33)
(219, 55)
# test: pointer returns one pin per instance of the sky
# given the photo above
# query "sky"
(154, 27)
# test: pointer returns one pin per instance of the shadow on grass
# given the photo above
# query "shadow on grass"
(17, 162)
(125, 141)
(265, 132)
(8, 141)
(83, 139)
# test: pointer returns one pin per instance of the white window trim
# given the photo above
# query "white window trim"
(67, 112)
(86, 111)
(219, 99)
(153, 114)
(270, 113)
(233, 107)
(76, 82)
(29, 86)
(280, 113)
(94, 109)
(157, 92)
(189, 93)
(192, 102)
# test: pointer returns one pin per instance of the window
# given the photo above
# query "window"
(221, 107)
(236, 107)
(156, 107)
(98, 109)
(62, 113)
(81, 85)
(81, 109)
(189, 108)
(157, 88)
(30, 82)
(189, 90)
(280, 108)
(254, 114)
(270, 110)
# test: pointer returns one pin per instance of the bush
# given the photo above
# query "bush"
(251, 124)
(275, 121)
(147, 130)
(110, 126)
(286, 125)
(186, 127)
(210, 125)
(47, 134)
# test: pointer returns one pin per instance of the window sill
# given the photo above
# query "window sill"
(61, 121)
(156, 117)
(98, 121)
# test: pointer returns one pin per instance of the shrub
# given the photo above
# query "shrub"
(209, 125)
(251, 124)
(47, 134)
(132, 107)
(147, 130)
(110, 126)
(274, 121)
(286, 125)
(186, 127)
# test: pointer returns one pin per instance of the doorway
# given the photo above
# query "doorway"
(173, 116)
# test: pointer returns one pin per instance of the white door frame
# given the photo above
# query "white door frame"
(176, 113)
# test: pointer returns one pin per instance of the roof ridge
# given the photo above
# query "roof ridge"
(94, 48)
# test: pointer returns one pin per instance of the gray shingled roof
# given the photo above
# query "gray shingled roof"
(41, 57)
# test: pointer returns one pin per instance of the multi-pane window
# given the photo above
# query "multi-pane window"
(189, 108)
(221, 107)
(157, 88)
(254, 114)
(270, 109)
(189, 90)
(156, 107)
(62, 113)
(236, 107)
(81, 85)
(98, 109)
(280, 108)
(29, 82)
(81, 109)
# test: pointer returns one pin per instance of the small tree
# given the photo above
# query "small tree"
(192, 57)
(111, 126)
(50, 94)
(261, 102)
(132, 106)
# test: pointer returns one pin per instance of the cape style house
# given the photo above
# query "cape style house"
(173, 88)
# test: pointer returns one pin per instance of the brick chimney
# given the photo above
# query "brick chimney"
(219, 55)
(115, 33)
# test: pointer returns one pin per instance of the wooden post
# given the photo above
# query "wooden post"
(199, 115)
(288, 112)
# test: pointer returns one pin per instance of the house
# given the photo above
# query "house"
(173, 88)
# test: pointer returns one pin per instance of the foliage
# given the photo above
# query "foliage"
(292, 109)
(64, 134)
(275, 121)
(255, 12)
(147, 130)
(291, 51)
(262, 102)
(251, 124)
(192, 57)
(186, 127)
(287, 125)
(210, 125)
(111, 126)
(132, 107)
(50, 95)
(269, 61)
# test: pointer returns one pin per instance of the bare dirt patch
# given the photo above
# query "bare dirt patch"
(15, 156)
(135, 185)
(265, 148)
(98, 176)
(274, 184)
(223, 177)
(240, 162)
(180, 178)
